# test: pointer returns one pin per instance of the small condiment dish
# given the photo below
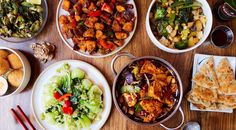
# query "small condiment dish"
(3, 86)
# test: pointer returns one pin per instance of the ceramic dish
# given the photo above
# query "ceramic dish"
(92, 73)
(70, 43)
(26, 73)
(200, 59)
(158, 120)
(20, 40)
(207, 12)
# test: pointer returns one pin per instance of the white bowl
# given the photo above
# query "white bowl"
(26, 72)
(207, 12)
(70, 43)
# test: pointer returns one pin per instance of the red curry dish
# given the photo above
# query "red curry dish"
(146, 91)
(97, 26)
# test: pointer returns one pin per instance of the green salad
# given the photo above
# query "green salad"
(71, 101)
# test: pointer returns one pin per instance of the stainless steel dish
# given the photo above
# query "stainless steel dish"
(174, 73)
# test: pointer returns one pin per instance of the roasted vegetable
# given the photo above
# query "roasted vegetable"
(97, 27)
(66, 5)
(20, 19)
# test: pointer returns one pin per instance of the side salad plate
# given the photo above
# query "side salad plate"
(71, 94)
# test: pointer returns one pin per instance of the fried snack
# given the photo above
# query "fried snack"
(15, 62)
(15, 77)
(155, 90)
(149, 68)
(208, 70)
(153, 107)
(4, 54)
(204, 81)
(4, 66)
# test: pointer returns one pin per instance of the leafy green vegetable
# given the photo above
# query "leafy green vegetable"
(161, 27)
(171, 19)
(195, 5)
(19, 18)
(160, 13)
(177, 4)
(138, 107)
(87, 84)
(86, 99)
(182, 44)
(81, 23)
(77, 73)
(84, 121)
(130, 89)
(183, 15)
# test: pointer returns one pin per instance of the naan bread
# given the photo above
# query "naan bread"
(204, 81)
(203, 96)
(228, 90)
(208, 70)
(224, 73)
(202, 107)
(227, 100)
(224, 106)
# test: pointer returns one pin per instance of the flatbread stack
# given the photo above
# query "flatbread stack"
(214, 89)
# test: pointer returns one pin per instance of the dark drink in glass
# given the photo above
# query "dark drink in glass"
(222, 36)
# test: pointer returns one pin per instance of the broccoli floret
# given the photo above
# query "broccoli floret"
(160, 13)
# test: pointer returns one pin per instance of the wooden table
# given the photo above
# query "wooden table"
(140, 45)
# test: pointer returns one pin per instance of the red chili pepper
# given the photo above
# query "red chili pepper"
(67, 110)
(113, 1)
(95, 13)
(104, 44)
(73, 23)
(65, 96)
(57, 95)
(106, 7)
(67, 103)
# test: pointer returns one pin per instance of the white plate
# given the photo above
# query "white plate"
(91, 72)
(200, 59)
(70, 43)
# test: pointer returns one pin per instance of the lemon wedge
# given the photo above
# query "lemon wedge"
(37, 2)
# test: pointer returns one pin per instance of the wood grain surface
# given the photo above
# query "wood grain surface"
(140, 45)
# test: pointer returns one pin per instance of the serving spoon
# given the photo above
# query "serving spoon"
(192, 126)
